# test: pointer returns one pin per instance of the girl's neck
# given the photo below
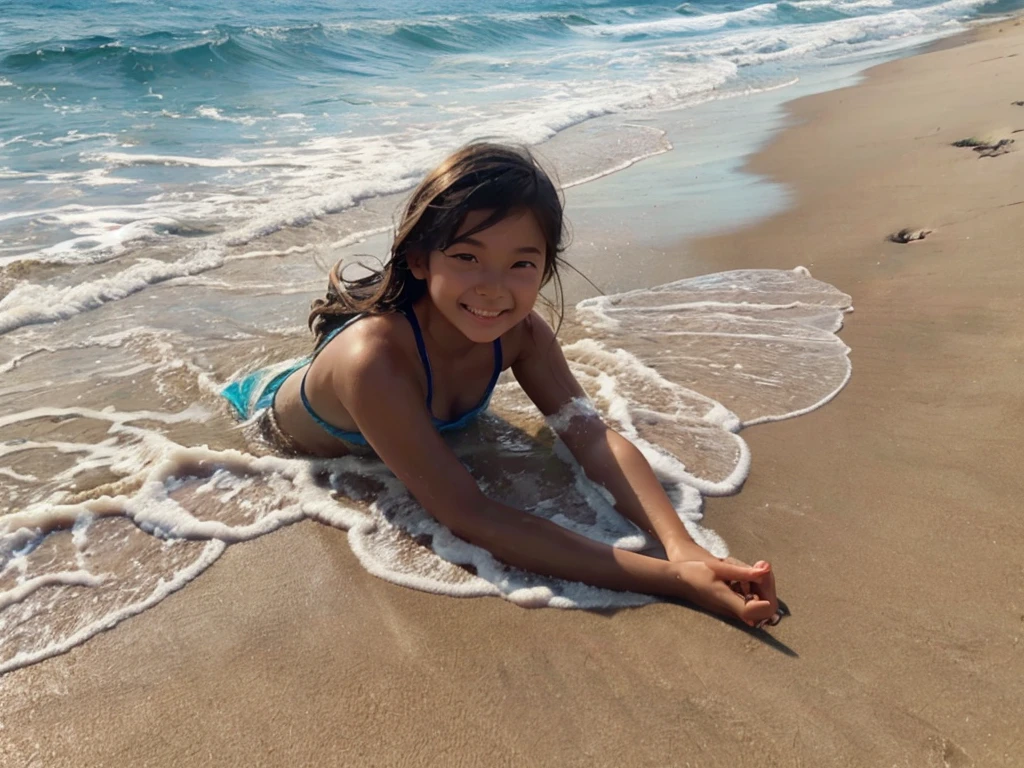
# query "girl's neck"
(445, 338)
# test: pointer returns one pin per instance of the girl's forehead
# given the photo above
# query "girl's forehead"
(519, 224)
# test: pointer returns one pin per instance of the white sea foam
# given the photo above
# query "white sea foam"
(212, 113)
(758, 20)
(71, 137)
(748, 47)
(23, 138)
(16, 360)
(91, 623)
(177, 495)
(80, 578)
(7, 173)
(100, 233)
(8, 472)
(631, 161)
(192, 413)
(127, 160)
(712, 21)
(30, 303)
(94, 177)
(73, 566)
(295, 249)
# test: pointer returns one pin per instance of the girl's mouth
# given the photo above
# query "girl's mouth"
(484, 314)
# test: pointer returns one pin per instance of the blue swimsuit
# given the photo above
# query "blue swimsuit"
(256, 391)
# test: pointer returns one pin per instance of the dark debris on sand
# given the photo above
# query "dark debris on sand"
(909, 235)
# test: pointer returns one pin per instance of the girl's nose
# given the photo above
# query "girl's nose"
(489, 284)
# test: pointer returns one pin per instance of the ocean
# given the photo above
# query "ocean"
(174, 180)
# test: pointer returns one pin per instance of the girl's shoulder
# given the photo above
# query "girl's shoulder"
(389, 338)
(385, 338)
(526, 337)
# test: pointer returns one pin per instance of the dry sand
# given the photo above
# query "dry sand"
(892, 516)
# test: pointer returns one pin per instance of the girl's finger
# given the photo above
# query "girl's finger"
(730, 572)
(765, 589)
(756, 611)
(750, 610)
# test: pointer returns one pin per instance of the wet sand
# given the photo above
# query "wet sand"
(892, 516)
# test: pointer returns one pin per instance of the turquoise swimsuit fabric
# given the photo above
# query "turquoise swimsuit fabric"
(256, 391)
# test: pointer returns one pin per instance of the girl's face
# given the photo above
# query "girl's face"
(486, 283)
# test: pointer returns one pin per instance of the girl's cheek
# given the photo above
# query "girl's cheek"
(446, 282)
(525, 279)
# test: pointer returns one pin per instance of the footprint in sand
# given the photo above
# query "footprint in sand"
(909, 235)
(953, 755)
(986, 148)
(1001, 147)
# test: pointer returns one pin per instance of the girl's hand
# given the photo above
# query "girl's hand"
(764, 589)
(729, 587)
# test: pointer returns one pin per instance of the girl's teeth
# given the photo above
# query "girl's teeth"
(481, 313)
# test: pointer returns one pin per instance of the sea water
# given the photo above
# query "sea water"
(173, 179)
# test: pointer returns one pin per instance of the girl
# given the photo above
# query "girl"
(416, 349)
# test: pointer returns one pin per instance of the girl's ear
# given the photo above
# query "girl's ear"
(417, 259)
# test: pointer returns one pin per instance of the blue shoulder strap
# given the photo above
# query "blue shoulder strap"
(422, 348)
(498, 365)
(495, 373)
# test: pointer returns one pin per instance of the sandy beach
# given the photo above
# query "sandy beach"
(891, 516)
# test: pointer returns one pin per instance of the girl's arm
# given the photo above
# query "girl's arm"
(606, 457)
(379, 390)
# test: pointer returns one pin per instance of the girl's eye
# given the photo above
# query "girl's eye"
(465, 257)
(524, 264)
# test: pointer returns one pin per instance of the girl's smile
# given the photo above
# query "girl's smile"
(483, 315)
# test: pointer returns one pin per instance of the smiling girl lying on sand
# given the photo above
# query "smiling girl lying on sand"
(416, 349)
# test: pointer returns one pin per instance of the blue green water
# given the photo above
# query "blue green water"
(139, 121)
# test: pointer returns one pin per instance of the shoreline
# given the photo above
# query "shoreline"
(888, 513)
(643, 192)
(713, 143)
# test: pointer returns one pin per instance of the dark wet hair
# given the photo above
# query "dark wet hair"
(479, 176)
